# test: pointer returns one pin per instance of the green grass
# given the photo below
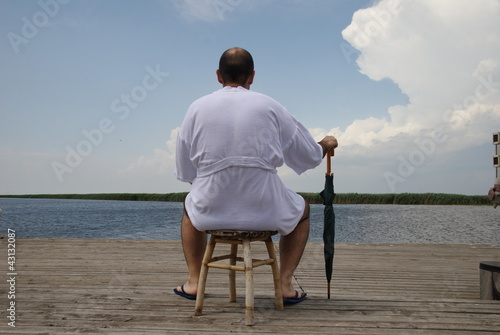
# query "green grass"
(313, 198)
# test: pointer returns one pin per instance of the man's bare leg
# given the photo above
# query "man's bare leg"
(291, 249)
(194, 243)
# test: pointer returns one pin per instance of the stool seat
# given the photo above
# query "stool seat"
(235, 238)
(241, 233)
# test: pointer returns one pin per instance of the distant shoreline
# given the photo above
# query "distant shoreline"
(313, 198)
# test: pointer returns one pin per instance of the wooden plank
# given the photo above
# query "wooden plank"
(68, 286)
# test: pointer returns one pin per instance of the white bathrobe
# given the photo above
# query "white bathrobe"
(229, 146)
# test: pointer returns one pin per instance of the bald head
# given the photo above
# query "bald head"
(236, 66)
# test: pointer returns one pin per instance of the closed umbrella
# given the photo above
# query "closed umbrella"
(328, 195)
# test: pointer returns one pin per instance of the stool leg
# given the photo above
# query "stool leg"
(202, 281)
(276, 274)
(232, 273)
(249, 299)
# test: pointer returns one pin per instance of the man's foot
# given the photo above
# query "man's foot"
(180, 291)
(295, 299)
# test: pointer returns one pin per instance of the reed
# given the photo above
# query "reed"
(108, 196)
(313, 198)
(403, 199)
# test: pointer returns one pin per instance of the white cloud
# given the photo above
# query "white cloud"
(160, 163)
(445, 56)
(196, 9)
(207, 10)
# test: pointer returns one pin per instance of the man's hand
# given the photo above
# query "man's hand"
(329, 143)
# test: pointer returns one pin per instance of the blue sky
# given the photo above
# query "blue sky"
(92, 92)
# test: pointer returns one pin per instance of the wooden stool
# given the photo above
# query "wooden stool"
(234, 238)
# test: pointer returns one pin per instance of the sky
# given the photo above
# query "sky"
(92, 93)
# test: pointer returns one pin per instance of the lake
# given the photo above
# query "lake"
(415, 224)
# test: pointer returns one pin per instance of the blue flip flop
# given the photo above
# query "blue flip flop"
(183, 293)
(296, 299)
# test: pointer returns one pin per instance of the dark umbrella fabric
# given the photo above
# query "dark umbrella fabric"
(328, 196)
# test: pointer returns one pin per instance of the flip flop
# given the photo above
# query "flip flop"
(296, 299)
(183, 293)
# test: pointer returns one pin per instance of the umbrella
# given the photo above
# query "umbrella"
(328, 195)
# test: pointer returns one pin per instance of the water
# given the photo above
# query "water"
(58, 218)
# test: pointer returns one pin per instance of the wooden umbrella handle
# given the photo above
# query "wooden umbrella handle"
(329, 155)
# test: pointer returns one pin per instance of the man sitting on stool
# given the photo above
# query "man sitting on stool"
(229, 146)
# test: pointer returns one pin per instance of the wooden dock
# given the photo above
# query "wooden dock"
(92, 286)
